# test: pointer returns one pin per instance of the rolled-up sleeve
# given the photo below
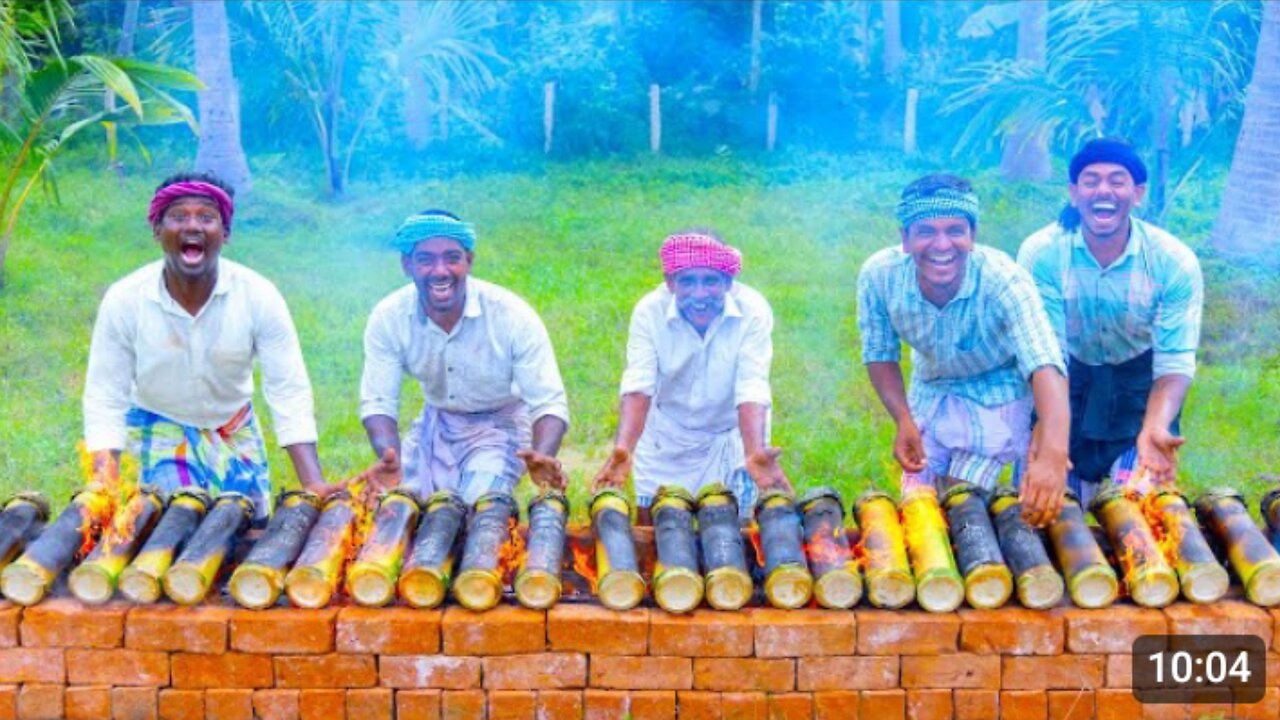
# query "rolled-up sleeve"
(380, 380)
(880, 342)
(1035, 344)
(1177, 324)
(755, 357)
(641, 373)
(108, 378)
(284, 373)
(535, 371)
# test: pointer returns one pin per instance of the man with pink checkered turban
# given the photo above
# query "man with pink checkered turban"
(695, 393)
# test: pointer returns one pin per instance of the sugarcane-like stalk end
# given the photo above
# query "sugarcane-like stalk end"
(988, 587)
(23, 584)
(478, 589)
(139, 586)
(1205, 583)
(308, 588)
(890, 589)
(256, 587)
(1094, 587)
(91, 584)
(678, 590)
(1154, 587)
(185, 585)
(1263, 587)
(423, 587)
(728, 588)
(789, 587)
(940, 592)
(537, 589)
(369, 586)
(1040, 588)
(838, 589)
(621, 590)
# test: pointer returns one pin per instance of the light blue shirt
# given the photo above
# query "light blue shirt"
(983, 345)
(1149, 298)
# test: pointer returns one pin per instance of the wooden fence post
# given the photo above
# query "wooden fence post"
(655, 118)
(548, 115)
(909, 122)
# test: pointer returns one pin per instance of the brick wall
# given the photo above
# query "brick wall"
(62, 659)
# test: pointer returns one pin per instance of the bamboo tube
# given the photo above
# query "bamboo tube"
(787, 581)
(426, 575)
(1253, 559)
(27, 579)
(1202, 578)
(192, 575)
(1090, 580)
(1147, 575)
(314, 577)
(724, 557)
(836, 581)
(371, 579)
(1039, 585)
(259, 580)
(620, 586)
(889, 581)
(538, 584)
(22, 518)
(939, 587)
(479, 583)
(94, 581)
(140, 581)
(987, 580)
(677, 584)
(1269, 506)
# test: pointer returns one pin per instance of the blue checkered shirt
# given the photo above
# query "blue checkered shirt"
(983, 345)
(1150, 298)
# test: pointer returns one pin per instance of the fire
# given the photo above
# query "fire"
(512, 553)
(582, 564)
(828, 551)
(364, 502)
(753, 534)
(109, 487)
(1167, 527)
(920, 526)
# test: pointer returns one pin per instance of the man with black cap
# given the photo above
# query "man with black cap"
(1125, 299)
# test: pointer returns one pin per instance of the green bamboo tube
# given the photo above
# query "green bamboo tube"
(619, 585)
(479, 583)
(21, 520)
(788, 584)
(1147, 575)
(1203, 580)
(939, 587)
(1254, 560)
(94, 581)
(1091, 582)
(537, 586)
(371, 579)
(888, 571)
(314, 577)
(192, 575)
(427, 574)
(1039, 586)
(677, 584)
(140, 581)
(988, 583)
(836, 582)
(723, 554)
(1269, 506)
(258, 581)
(27, 580)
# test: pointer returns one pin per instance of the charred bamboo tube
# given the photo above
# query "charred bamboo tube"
(1039, 585)
(27, 579)
(140, 581)
(371, 579)
(1150, 580)
(1202, 578)
(479, 583)
(193, 573)
(1224, 514)
(314, 577)
(1269, 507)
(987, 580)
(538, 584)
(259, 580)
(724, 557)
(620, 586)
(889, 582)
(836, 581)
(939, 587)
(677, 584)
(427, 573)
(23, 516)
(1090, 580)
(94, 581)
(788, 583)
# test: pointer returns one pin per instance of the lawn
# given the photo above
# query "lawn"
(579, 241)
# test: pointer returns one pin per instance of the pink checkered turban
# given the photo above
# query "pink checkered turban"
(690, 250)
(165, 196)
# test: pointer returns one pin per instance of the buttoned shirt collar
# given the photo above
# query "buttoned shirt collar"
(967, 285)
(471, 307)
(1132, 246)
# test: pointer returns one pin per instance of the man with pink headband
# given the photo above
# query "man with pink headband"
(695, 393)
(170, 375)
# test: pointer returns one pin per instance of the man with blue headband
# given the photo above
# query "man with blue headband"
(1125, 300)
(983, 354)
(494, 400)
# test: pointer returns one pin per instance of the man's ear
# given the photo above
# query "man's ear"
(1139, 194)
(903, 232)
(406, 264)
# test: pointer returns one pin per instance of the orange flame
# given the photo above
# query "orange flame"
(512, 553)
(583, 566)
(753, 534)
(364, 501)
(110, 486)
(828, 550)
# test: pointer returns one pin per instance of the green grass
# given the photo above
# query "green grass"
(580, 243)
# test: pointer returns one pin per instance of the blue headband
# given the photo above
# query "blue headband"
(943, 202)
(417, 228)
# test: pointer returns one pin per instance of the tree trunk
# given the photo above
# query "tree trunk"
(1026, 151)
(893, 53)
(1246, 223)
(220, 150)
(124, 48)
(757, 12)
(417, 121)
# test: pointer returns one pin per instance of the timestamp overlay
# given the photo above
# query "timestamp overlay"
(1199, 669)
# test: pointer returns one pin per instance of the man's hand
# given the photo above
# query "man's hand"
(384, 474)
(908, 447)
(616, 470)
(544, 470)
(1158, 454)
(324, 490)
(762, 466)
(1043, 484)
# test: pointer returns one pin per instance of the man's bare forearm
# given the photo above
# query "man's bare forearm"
(886, 378)
(384, 434)
(752, 418)
(633, 410)
(548, 432)
(1165, 400)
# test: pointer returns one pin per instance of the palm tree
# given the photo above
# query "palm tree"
(1025, 155)
(220, 150)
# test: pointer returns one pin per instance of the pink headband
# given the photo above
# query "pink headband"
(688, 250)
(165, 196)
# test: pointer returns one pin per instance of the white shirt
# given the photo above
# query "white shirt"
(498, 353)
(149, 352)
(699, 381)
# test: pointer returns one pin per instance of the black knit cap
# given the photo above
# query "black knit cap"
(1109, 150)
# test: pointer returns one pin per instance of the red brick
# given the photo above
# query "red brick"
(883, 704)
(1165, 712)
(228, 704)
(1012, 631)
(653, 705)
(275, 704)
(134, 703)
(557, 704)
(698, 705)
(117, 667)
(744, 706)
(1211, 711)
(605, 704)
(32, 665)
(1023, 705)
(388, 631)
(847, 673)
(326, 671)
(1063, 672)
(173, 628)
(1117, 705)
(429, 671)
(907, 632)
(1275, 635)
(744, 674)
(784, 633)
(1119, 671)
(594, 629)
(504, 630)
(701, 633)
(229, 670)
(976, 704)
(87, 703)
(1225, 617)
(962, 670)
(10, 615)
(462, 705)
(8, 702)
(64, 622)
(790, 706)
(369, 704)
(929, 705)
(322, 704)
(1268, 707)
(836, 705)
(40, 702)
(1071, 705)
(283, 630)
(511, 704)
(185, 705)
(616, 672)
(544, 671)
(417, 704)
(1110, 630)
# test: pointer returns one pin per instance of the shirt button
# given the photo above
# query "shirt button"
(450, 369)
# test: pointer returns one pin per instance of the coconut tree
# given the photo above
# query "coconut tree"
(1025, 155)
(220, 150)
